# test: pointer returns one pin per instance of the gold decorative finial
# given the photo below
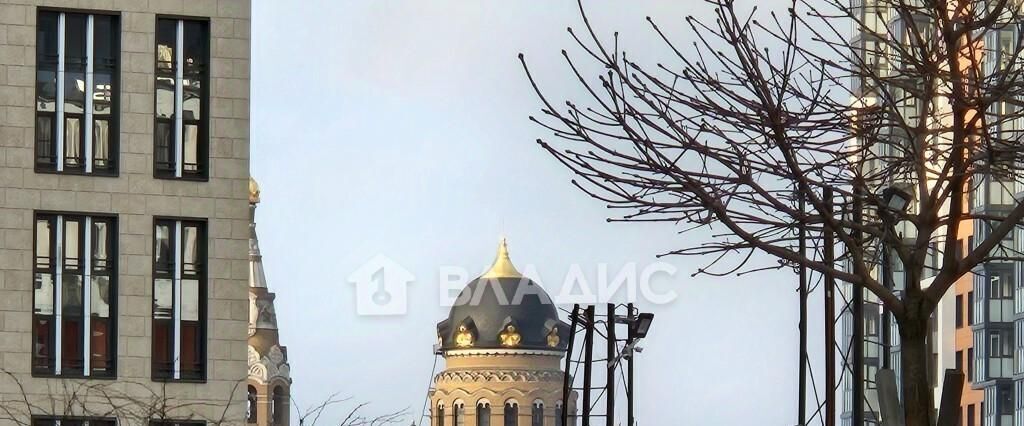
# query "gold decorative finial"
(553, 339)
(509, 337)
(254, 191)
(502, 267)
(464, 338)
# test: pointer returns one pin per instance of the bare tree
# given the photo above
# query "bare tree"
(133, 402)
(765, 109)
(355, 416)
(137, 403)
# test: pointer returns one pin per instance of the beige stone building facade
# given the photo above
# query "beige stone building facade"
(124, 214)
(503, 344)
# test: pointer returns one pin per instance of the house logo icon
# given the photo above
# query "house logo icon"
(381, 287)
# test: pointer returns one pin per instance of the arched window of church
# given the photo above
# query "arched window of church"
(459, 414)
(439, 414)
(511, 413)
(558, 414)
(537, 416)
(483, 413)
(278, 407)
(250, 407)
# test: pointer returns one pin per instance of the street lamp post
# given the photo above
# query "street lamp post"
(639, 326)
(894, 200)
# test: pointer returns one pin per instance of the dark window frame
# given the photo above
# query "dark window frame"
(510, 414)
(167, 171)
(115, 105)
(50, 420)
(959, 311)
(112, 221)
(202, 275)
(483, 407)
(537, 414)
(970, 307)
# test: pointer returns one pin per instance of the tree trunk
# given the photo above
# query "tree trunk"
(918, 394)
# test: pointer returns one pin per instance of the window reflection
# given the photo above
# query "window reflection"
(190, 300)
(71, 71)
(43, 253)
(43, 294)
(190, 148)
(100, 239)
(46, 90)
(101, 340)
(187, 136)
(72, 141)
(190, 251)
(164, 152)
(166, 39)
(165, 97)
(164, 249)
(72, 334)
(191, 102)
(74, 41)
(182, 283)
(99, 300)
(66, 296)
(163, 299)
(101, 144)
(71, 250)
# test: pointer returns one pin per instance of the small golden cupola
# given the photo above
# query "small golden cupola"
(502, 267)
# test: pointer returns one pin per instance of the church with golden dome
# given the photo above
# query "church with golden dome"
(269, 382)
(503, 345)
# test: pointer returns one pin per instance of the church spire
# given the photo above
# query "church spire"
(257, 278)
(502, 267)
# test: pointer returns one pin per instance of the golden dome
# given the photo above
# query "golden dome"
(254, 191)
(502, 267)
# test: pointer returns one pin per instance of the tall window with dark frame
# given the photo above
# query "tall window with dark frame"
(510, 416)
(483, 413)
(181, 128)
(970, 364)
(179, 300)
(959, 311)
(537, 414)
(76, 92)
(74, 310)
(251, 399)
(459, 414)
(970, 307)
(175, 423)
(59, 421)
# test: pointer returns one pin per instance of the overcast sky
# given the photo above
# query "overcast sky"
(399, 128)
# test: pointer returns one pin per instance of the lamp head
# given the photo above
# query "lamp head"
(642, 325)
(896, 199)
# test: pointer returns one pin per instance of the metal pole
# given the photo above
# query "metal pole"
(566, 378)
(887, 283)
(613, 356)
(629, 367)
(802, 395)
(828, 253)
(588, 360)
(858, 323)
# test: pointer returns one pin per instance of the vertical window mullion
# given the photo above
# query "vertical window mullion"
(60, 92)
(176, 288)
(58, 293)
(89, 49)
(87, 295)
(179, 69)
